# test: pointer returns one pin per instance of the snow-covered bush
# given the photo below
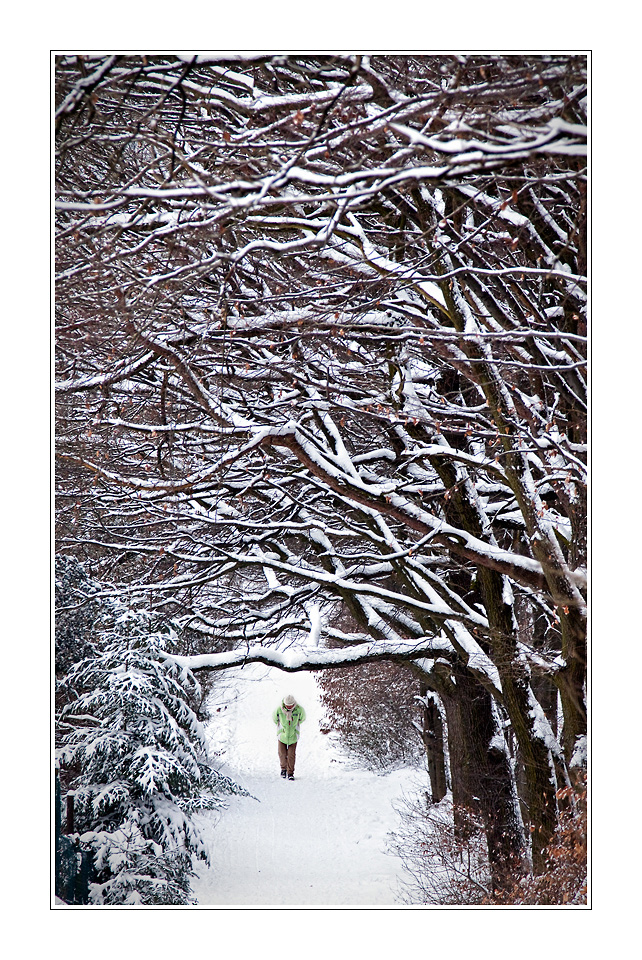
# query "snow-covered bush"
(138, 753)
(445, 859)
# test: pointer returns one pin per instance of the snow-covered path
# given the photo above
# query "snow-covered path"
(319, 840)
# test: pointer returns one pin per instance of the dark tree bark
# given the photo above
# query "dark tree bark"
(482, 780)
(432, 734)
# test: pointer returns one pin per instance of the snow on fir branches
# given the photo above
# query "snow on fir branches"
(135, 755)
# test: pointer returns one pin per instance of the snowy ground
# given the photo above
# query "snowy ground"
(319, 840)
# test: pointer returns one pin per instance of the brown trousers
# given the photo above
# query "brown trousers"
(287, 756)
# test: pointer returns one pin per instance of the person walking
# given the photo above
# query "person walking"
(288, 716)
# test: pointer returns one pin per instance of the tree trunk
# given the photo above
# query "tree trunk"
(433, 737)
(519, 702)
(482, 777)
(516, 694)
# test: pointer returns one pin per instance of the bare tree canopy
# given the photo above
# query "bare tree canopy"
(321, 369)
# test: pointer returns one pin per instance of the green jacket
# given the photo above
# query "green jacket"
(288, 730)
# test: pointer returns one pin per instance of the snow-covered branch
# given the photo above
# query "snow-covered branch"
(294, 660)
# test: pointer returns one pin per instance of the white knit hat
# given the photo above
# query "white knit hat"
(289, 701)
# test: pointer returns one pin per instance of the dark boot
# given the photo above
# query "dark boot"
(284, 773)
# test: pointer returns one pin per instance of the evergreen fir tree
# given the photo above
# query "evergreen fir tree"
(140, 753)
